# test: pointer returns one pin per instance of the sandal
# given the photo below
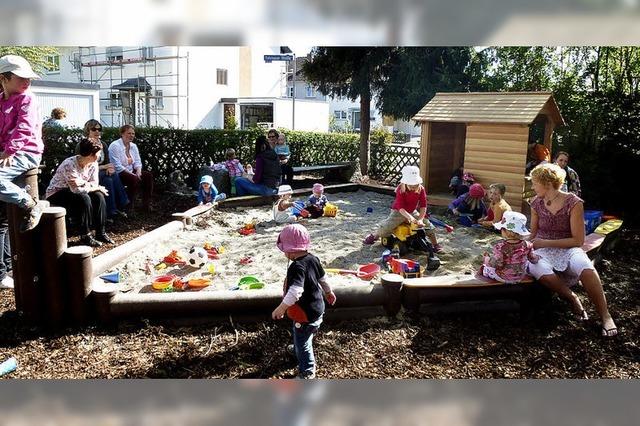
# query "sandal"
(609, 332)
(581, 316)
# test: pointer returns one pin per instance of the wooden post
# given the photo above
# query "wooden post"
(102, 295)
(23, 252)
(425, 146)
(53, 243)
(392, 284)
(79, 269)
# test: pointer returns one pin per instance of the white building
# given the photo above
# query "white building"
(188, 87)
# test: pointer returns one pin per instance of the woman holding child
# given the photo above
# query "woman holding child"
(557, 234)
(266, 176)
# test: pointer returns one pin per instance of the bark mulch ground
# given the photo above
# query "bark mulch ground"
(494, 344)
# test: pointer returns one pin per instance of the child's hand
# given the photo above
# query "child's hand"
(456, 212)
(278, 313)
(5, 159)
(331, 297)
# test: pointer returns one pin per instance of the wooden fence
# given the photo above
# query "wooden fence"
(387, 161)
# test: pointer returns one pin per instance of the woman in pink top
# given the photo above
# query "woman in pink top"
(20, 135)
(557, 234)
(410, 196)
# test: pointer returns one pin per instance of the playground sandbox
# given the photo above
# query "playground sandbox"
(337, 241)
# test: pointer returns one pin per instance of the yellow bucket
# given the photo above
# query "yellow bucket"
(330, 210)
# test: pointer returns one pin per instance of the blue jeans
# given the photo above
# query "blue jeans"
(303, 345)
(245, 187)
(117, 198)
(9, 191)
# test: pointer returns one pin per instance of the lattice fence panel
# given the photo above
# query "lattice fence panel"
(387, 161)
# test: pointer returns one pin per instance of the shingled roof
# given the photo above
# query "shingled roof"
(490, 107)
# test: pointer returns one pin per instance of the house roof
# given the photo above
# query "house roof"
(490, 107)
(139, 84)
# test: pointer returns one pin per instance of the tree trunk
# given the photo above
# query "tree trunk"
(365, 124)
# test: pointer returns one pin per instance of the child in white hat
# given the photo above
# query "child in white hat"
(410, 196)
(283, 208)
(208, 193)
(510, 258)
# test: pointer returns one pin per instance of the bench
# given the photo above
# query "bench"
(343, 171)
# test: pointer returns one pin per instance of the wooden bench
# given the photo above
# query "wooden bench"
(343, 171)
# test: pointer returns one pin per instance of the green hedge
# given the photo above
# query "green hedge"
(165, 150)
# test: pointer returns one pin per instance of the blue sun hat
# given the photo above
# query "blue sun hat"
(206, 179)
(514, 222)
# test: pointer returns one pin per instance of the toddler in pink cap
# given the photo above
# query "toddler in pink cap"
(317, 201)
(303, 302)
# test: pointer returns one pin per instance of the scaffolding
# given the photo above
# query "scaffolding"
(148, 97)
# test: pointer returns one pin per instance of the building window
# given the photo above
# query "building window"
(159, 99)
(114, 53)
(53, 64)
(146, 52)
(290, 92)
(221, 76)
(311, 93)
(344, 115)
(114, 100)
(75, 62)
(336, 114)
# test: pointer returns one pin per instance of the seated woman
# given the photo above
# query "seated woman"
(75, 187)
(117, 198)
(266, 177)
(557, 234)
(126, 159)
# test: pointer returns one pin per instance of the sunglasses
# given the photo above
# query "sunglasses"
(96, 129)
(272, 136)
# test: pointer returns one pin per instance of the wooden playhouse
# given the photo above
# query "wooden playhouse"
(486, 133)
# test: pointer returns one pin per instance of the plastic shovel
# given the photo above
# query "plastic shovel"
(364, 272)
(438, 222)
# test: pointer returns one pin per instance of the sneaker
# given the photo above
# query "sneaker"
(120, 214)
(105, 238)
(307, 375)
(220, 197)
(88, 240)
(32, 217)
(370, 239)
(7, 282)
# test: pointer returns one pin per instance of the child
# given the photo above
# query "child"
(497, 207)
(303, 302)
(410, 195)
(316, 201)
(510, 258)
(456, 180)
(467, 180)
(234, 168)
(470, 203)
(282, 150)
(208, 193)
(283, 208)
(20, 136)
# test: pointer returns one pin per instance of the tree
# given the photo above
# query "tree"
(350, 72)
(38, 56)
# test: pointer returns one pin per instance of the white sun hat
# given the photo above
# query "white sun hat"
(411, 175)
(17, 65)
(514, 222)
(285, 189)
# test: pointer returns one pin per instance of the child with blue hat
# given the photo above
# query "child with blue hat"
(207, 192)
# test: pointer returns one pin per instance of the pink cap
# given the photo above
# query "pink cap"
(292, 238)
(476, 190)
(317, 187)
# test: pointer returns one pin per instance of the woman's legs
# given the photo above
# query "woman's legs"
(99, 212)
(555, 284)
(76, 204)
(132, 182)
(245, 187)
(119, 192)
(107, 182)
(592, 284)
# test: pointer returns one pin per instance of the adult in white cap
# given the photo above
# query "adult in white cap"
(410, 196)
(20, 135)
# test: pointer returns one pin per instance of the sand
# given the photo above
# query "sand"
(336, 241)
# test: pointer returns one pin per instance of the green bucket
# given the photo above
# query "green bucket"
(250, 282)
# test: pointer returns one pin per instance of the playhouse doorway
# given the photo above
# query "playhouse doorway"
(446, 154)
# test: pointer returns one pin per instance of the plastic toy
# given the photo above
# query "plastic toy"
(160, 266)
(407, 237)
(113, 277)
(438, 222)
(211, 268)
(298, 209)
(365, 272)
(174, 258)
(246, 260)
(199, 282)
(164, 281)
(197, 257)
(249, 282)
(406, 267)
(8, 366)
(248, 229)
(330, 210)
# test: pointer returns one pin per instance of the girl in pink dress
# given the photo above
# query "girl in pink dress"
(557, 234)
(510, 258)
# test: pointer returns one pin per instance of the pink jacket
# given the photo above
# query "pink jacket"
(20, 124)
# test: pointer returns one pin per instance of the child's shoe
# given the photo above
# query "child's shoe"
(370, 239)
(33, 215)
(437, 248)
(306, 375)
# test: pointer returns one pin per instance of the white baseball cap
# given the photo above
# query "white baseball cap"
(17, 65)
